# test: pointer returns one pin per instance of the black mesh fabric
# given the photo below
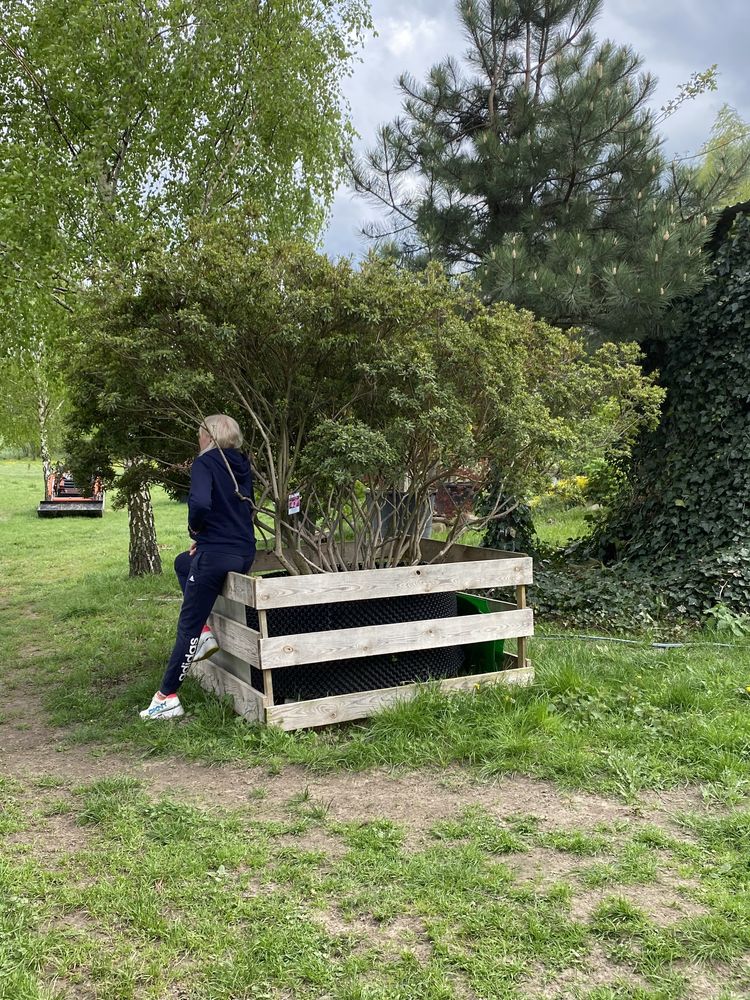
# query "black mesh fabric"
(318, 680)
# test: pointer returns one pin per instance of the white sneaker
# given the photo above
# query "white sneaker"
(163, 708)
(207, 646)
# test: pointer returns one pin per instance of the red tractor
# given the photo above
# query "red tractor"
(65, 498)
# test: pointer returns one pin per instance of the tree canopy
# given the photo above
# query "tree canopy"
(341, 378)
(125, 120)
(132, 114)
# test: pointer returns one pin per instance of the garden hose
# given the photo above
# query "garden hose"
(636, 642)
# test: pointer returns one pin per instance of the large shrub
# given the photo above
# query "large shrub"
(353, 386)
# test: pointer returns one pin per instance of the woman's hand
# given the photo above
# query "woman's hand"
(193, 549)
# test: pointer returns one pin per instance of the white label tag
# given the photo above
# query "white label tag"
(295, 503)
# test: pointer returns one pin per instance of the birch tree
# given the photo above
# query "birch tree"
(124, 120)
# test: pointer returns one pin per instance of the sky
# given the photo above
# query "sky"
(675, 38)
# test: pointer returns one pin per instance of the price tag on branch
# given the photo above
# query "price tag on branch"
(295, 503)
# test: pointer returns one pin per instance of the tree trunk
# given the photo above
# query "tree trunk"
(43, 410)
(144, 552)
(41, 385)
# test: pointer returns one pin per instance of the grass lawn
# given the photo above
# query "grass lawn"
(556, 524)
(588, 837)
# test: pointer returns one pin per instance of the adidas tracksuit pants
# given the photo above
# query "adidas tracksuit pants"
(202, 580)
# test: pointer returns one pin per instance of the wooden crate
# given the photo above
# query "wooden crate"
(462, 568)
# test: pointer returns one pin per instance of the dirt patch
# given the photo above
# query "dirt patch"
(712, 984)
(19, 707)
(76, 922)
(416, 802)
(56, 836)
(600, 971)
(544, 867)
(316, 840)
(392, 937)
(595, 971)
(664, 902)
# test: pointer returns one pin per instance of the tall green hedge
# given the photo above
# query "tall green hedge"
(685, 524)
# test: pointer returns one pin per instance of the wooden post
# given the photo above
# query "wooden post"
(521, 647)
(267, 676)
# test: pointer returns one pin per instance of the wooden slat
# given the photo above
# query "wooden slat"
(213, 677)
(240, 588)
(521, 602)
(243, 589)
(267, 675)
(345, 707)
(329, 588)
(233, 610)
(267, 562)
(233, 665)
(521, 677)
(345, 644)
(464, 553)
(497, 605)
(237, 639)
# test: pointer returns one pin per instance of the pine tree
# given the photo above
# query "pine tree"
(538, 163)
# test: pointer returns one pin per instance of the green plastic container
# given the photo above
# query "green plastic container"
(481, 657)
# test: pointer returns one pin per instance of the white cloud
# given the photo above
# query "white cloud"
(404, 36)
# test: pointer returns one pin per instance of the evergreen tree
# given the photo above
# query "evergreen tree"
(728, 149)
(538, 163)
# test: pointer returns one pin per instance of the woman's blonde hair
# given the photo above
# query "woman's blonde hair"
(223, 431)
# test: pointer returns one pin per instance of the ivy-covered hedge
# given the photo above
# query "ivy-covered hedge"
(684, 525)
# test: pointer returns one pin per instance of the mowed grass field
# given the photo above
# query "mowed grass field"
(588, 837)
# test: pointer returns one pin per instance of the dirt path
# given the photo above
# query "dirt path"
(31, 749)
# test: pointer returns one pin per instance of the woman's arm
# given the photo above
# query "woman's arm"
(199, 498)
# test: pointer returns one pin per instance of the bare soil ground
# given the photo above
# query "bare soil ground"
(30, 750)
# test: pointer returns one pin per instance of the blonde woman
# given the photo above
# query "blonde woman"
(220, 522)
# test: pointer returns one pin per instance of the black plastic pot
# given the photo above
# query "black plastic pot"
(393, 510)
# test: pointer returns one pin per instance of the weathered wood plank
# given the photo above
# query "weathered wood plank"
(346, 707)
(267, 675)
(521, 602)
(233, 610)
(328, 588)
(464, 553)
(240, 588)
(267, 561)
(345, 644)
(243, 589)
(519, 676)
(213, 677)
(500, 605)
(233, 665)
(237, 639)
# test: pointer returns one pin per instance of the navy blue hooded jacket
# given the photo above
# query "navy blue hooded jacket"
(217, 519)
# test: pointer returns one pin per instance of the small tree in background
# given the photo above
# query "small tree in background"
(32, 404)
(352, 386)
